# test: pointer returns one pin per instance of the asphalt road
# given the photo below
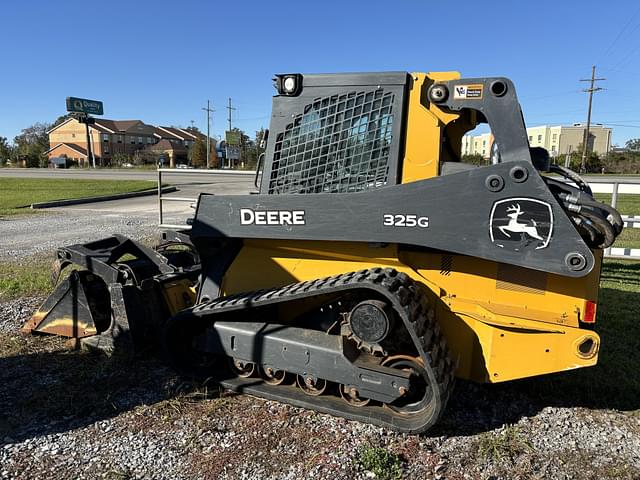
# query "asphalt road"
(24, 235)
(177, 175)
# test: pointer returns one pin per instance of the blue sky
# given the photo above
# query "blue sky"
(160, 61)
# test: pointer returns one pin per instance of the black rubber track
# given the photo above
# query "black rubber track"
(403, 294)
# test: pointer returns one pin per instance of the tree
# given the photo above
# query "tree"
(31, 144)
(5, 151)
(633, 144)
(198, 153)
(622, 162)
(593, 163)
(59, 120)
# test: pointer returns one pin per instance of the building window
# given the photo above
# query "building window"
(139, 139)
(484, 143)
(105, 149)
(119, 138)
(105, 137)
(530, 138)
(149, 140)
(133, 140)
(73, 135)
(539, 138)
(555, 137)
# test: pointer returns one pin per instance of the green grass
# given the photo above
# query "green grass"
(629, 238)
(16, 194)
(384, 464)
(627, 203)
(508, 444)
(31, 276)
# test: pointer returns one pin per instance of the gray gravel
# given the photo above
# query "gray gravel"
(27, 235)
(13, 314)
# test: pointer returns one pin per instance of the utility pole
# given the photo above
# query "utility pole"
(591, 89)
(229, 108)
(209, 110)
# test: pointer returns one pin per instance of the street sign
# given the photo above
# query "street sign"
(233, 152)
(232, 137)
(82, 105)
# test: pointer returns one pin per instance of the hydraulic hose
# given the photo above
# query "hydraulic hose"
(603, 226)
(595, 237)
(616, 219)
(573, 176)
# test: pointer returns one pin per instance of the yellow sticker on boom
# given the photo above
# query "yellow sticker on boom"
(468, 92)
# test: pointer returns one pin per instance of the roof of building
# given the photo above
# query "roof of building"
(175, 132)
(105, 125)
(181, 133)
(72, 146)
(166, 145)
(161, 132)
(60, 124)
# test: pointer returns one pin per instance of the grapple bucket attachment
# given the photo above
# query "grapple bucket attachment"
(123, 291)
(79, 307)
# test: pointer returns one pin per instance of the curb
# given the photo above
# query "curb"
(104, 198)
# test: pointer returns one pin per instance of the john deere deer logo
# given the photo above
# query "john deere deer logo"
(521, 223)
(514, 227)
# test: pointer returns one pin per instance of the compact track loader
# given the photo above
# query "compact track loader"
(371, 267)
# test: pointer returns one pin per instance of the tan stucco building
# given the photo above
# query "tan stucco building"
(558, 140)
(111, 137)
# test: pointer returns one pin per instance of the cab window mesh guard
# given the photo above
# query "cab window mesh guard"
(341, 143)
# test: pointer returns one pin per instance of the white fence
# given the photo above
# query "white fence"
(615, 187)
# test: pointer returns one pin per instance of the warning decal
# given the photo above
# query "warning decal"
(462, 92)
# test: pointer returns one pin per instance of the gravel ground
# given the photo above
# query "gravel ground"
(69, 414)
(27, 235)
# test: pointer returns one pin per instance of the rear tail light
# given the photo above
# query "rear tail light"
(589, 312)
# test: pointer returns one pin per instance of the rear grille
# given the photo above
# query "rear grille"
(339, 144)
(446, 263)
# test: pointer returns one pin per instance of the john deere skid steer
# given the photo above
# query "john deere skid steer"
(371, 267)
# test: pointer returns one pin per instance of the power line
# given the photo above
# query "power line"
(629, 55)
(591, 90)
(615, 40)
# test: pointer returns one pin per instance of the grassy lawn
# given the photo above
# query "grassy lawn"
(31, 276)
(18, 193)
(627, 204)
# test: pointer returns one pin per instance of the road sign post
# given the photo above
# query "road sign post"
(84, 107)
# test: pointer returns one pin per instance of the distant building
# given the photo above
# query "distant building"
(111, 137)
(558, 140)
